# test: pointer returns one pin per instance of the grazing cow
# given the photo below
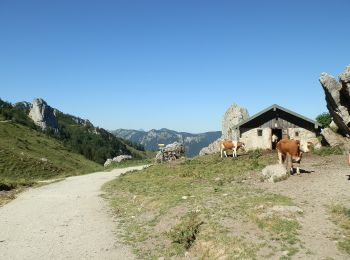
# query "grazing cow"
(230, 145)
(292, 148)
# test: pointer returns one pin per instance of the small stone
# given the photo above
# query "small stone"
(184, 197)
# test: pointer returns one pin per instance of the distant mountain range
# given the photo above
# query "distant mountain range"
(150, 140)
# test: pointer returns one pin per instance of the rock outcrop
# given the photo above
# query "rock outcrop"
(338, 99)
(334, 139)
(170, 152)
(42, 114)
(108, 162)
(122, 158)
(117, 159)
(233, 116)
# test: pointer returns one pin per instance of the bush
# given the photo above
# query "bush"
(324, 119)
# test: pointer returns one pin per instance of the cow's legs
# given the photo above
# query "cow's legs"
(280, 158)
(234, 152)
(225, 153)
(298, 168)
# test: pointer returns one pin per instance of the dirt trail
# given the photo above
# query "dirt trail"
(63, 220)
(326, 183)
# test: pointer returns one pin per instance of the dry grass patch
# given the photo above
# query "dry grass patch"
(173, 210)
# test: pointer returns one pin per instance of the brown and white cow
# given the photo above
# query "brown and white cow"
(230, 145)
(292, 148)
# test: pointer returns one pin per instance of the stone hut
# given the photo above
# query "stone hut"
(256, 132)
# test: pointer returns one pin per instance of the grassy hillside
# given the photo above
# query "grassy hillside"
(27, 155)
(203, 208)
(78, 135)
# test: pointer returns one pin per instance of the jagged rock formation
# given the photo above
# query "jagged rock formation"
(150, 140)
(170, 152)
(338, 99)
(83, 122)
(233, 116)
(42, 114)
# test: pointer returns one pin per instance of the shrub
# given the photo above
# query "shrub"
(324, 119)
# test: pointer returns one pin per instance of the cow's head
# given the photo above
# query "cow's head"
(274, 138)
(305, 146)
(297, 159)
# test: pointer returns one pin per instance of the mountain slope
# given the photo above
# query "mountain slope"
(79, 135)
(29, 155)
(150, 140)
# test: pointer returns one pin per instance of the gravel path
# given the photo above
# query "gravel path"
(325, 184)
(63, 220)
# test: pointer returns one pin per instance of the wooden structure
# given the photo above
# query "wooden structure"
(256, 131)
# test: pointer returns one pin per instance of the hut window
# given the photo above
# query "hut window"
(260, 132)
(296, 133)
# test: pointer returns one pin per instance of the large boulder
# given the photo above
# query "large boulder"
(275, 173)
(334, 139)
(232, 117)
(108, 162)
(338, 99)
(170, 152)
(43, 115)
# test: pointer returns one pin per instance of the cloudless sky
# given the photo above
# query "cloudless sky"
(177, 64)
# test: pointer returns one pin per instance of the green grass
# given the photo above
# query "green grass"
(340, 215)
(27, 156)
(326, 151)
(157, 201)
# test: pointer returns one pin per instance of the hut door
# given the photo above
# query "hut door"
(278, 133)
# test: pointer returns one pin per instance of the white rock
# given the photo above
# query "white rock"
(275, 172)
(108, 162)
(122, 158)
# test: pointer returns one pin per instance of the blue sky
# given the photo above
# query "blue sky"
(175, 64)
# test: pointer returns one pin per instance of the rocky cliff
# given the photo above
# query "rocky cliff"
(150, 140)
(42, 114)
(337, 94)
